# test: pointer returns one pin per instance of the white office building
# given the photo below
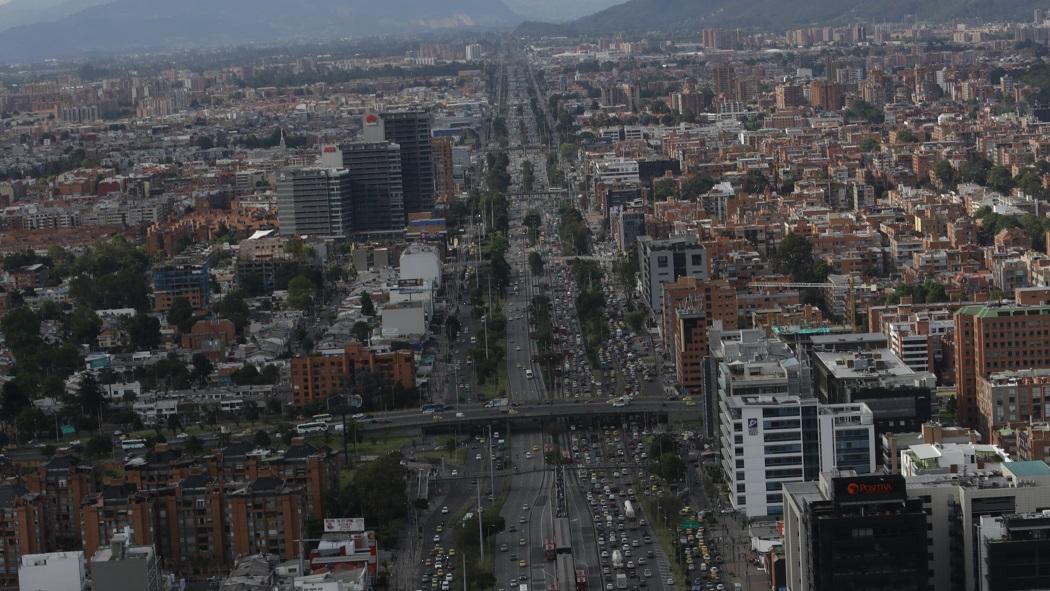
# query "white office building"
(664, 261)
(54, 571)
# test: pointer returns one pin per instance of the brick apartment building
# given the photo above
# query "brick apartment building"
(992, 338)
(690, 307)
(316, 377)
(266, 517)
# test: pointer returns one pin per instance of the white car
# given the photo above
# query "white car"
(444, 510)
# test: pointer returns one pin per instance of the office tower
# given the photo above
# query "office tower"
(854, 532)
(473, 52)
(664, 261)
(411, 131)
(993, 338)
(375, 174)
(314, 202)
(1014, 551)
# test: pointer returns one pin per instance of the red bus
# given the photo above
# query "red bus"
(550, 551)
(581, 579)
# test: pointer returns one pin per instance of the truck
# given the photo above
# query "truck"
(498, 403)
(628, 510)
(617, 559)
(621, 581)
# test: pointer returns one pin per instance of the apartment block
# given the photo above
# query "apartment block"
(666, 260)
(992, 338)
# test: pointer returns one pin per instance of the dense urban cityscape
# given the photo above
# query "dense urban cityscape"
(733, 309)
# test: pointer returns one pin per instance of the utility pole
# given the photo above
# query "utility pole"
(492, 471)
(481, 535)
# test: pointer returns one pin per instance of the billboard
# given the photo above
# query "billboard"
(861, 489)
(344, 524)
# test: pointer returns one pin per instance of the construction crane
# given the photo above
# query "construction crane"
(852, 287)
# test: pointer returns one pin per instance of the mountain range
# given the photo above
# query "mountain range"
(151, 25)
(688, 16)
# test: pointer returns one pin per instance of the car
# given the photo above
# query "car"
(504, 547)
(521, 541)
(477, 457)
(522, 519)
(522, 563)
(437, 537)
(444, 510)
(669, 582)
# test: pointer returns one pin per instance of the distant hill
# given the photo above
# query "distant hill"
(691, 15)
(150, 25)
(15, 13)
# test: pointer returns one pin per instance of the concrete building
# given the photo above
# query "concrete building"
(954, 505)
(1012, 396)
(315, 202)
(189, 280)
(410, 131)
(899, 396)
(125, 567)
(950, 458)
(376, 184)
(664, 261)
(992, 338)
(847, 531)
(770, 440)
(691, 308)
(1014, 551)
(55, 571)
(420, 262)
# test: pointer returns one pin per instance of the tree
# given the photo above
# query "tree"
(174, 424)
(664, 189)
(89, 396)
(361, 331)
(21, 328)
(84, 326)
(143, 332)
(31, 422)
(694, 186)
(234, 308)
(794, 256)
(367, 307)
(975, 170)
(180, 314)
(536, 263)
(663, 443)
(12, 402)
(906, 136)
(869, 144)
(999, 179)
(300, 292)
(754, 182)
(452, 328)
(202, 368)
(945, 173)
(670, 467)
(261, 438)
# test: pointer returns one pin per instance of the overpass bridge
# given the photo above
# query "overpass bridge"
(473, 415)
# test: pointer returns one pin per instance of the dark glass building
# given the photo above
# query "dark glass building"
(854, 532)
(411, 131)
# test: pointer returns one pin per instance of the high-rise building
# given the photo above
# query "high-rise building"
(374, 176)
(1014, 552)
(665, 260)
(123, 566)
(826, 95)
(314, 202)
(473, 52)
(848, 531)
(411, 131)
(444, 169)
(266, 516)
(181, 279)
(789, 96)
(722, 77)
(993, 338)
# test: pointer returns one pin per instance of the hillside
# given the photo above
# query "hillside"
(146, 25)
(690, 15)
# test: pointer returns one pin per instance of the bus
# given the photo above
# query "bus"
(550, 551)
(325, 418)
(130, 444)
(311, 428)
(581, 579)
(433, 407)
